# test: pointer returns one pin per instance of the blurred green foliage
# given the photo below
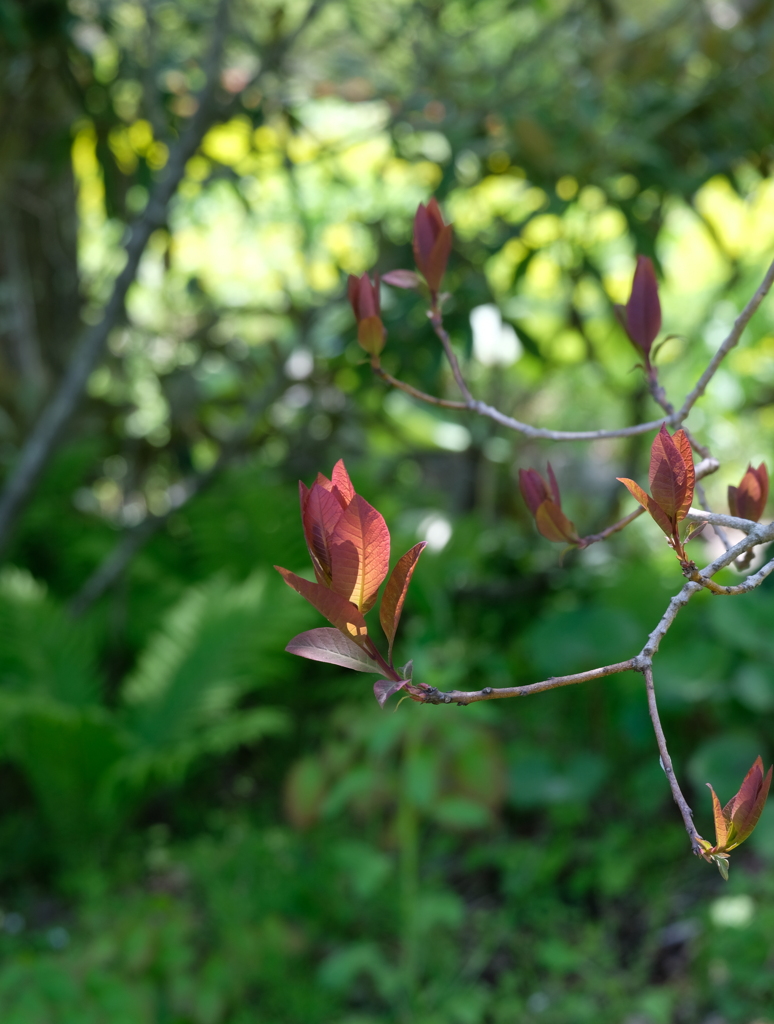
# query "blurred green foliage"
(196, 828)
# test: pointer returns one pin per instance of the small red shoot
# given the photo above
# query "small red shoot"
(672, 480)
(363, 294)
(432, 244)
(641, 316)
(544, 502)
(748, 500)
(396, 590)
(735, 822)
(349, 545)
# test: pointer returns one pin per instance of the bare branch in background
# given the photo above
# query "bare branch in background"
(113, 567)
(49, 429)
(730, 342)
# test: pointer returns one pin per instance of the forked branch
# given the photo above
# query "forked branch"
(673, 418)
(673, 482)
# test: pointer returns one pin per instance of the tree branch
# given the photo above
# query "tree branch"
(431, 695)
(595, 538)
(436, 320)
(730, 342)
(473, 405)
(666, 763)
(48, 431)
(742, 588)
(415, 392)
(697, 515)
(109, 571)
(760, 533)
(674, 419)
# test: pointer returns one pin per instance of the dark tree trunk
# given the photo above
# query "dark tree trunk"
(39, 297)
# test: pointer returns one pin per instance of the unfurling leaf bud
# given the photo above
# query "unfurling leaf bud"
(364, 297)
(672, 479)
(736, 821)
(641, 316)
(544, 502)
(432, 244)
(748, 500)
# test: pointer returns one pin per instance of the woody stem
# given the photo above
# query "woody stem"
(594, 538)
(415, 392)
(666, 762)
(436, 319)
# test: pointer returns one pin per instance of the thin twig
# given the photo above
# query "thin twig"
(431, 695)
(563, 435)
(666, 763)
(49, 429)
(673, 419)
(746, 586)
(730, 342)
(114, 565)
(698, 515)
(720, 533)
(415, 392)
(759, 534)
(437, 321)
(594, 538)
(512, 424)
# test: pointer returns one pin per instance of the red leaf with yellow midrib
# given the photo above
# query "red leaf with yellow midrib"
(360, 553)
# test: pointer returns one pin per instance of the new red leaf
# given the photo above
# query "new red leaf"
(337, 610)
(432, 243)
(533, 489)
(554, 524)
(384, 689)
(340, 479)
(736, 821)
(668, 477)
(683, 445)
(360, 553)
(553, 484)
(746, 807)
(748, 500)
(648, 504)
(331, 646)
(395, 592)
(321, 512)
(439, 257)
(722, 824)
